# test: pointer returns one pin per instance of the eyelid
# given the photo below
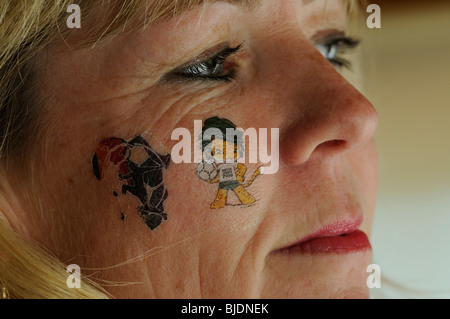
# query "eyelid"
(335, 43)
(221, 51)
(327, 34)
(204, 56)
(343, 43)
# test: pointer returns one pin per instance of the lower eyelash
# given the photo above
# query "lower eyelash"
(344, 44)
(227, 78)
(342, 63)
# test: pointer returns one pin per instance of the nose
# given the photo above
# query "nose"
(329, 116)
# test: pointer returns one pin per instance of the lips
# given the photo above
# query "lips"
(342, 237)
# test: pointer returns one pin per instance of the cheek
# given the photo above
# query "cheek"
(368, 171)
(363, 170)
(189, 196)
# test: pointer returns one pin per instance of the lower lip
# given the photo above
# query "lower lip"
(343, 244)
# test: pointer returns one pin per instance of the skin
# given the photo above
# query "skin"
(328, 161)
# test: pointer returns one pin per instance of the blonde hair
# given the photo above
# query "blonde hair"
(27, 27)
(29, 271)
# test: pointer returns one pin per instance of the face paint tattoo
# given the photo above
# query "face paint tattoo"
(142, 179)
(221, 164)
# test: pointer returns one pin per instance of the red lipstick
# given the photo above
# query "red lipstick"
(342, 237)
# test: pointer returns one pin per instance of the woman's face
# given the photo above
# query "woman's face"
(146, 84)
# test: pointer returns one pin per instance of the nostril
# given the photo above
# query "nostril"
(335, 143)
(332, 146)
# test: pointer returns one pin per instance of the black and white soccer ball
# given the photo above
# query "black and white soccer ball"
(207, 171)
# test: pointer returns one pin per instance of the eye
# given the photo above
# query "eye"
(333, 47)
(213, 67)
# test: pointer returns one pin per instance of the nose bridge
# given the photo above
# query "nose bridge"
(327, 115)
(340, 111)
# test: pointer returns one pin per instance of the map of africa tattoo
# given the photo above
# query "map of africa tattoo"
(143, 179)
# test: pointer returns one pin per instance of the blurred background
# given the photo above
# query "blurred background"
(404, 70)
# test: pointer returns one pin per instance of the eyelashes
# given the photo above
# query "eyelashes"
(213, 65)
(333, 47)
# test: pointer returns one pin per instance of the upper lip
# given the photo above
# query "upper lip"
(337, 228)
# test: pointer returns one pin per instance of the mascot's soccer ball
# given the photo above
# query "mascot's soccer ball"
(206, 171)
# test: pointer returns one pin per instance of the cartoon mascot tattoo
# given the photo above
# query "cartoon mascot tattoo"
(221, 165)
